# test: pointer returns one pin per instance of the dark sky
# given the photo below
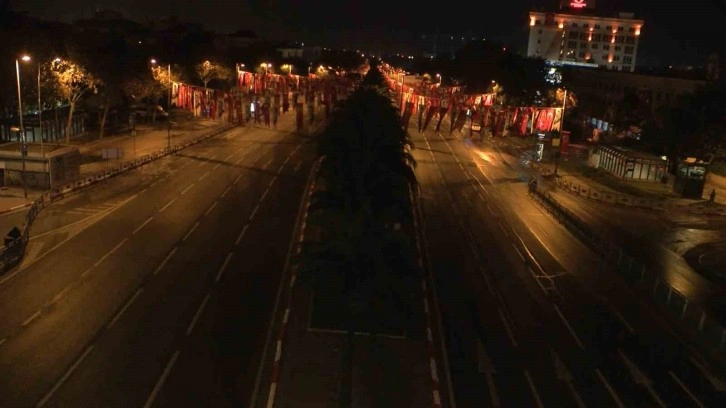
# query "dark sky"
(675, 32)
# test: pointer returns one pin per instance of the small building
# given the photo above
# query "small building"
(629, 164)
(45, 167)
(691, 178)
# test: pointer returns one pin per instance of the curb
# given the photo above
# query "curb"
(17, 207)
(275, 375)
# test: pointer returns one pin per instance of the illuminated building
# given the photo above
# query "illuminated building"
(577, 35)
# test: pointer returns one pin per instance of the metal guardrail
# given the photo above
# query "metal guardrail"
(14, 250)
(694, 319)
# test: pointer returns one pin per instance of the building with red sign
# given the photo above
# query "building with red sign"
(579, 33)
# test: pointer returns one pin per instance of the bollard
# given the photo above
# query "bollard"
(670, 292)
(685, 305)
(702, 321)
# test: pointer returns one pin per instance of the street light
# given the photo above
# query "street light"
(441, 79)
(24, 58)
(267, 67)
(168, 72)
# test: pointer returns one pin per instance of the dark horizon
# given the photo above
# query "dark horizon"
(385, 27)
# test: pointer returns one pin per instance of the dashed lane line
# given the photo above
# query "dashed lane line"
(163, 263)
(197, 315)
(148, 220)
(160, 383)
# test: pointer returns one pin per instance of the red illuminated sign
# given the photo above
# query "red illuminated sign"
(578, 4)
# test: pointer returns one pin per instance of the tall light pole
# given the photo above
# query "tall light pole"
(168, 72)
(20, 118)
(403, 81)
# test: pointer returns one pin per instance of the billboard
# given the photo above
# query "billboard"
(578, 4)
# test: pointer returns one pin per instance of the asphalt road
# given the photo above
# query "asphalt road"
(156, 288)
(530, 317)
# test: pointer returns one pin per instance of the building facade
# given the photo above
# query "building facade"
(578, 34)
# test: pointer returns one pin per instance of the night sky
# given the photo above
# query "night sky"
(675, 32)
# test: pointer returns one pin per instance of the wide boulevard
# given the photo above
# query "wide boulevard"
(156, 287)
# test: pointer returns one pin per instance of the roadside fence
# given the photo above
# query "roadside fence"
(15, 248)
(693, 319)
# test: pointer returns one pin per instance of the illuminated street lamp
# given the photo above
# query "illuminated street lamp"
(441, 78)
(168, 72)
(21, 129)
(267, 67)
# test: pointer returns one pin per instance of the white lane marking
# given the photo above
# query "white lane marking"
(63, 379)
(267, 190)
(224, 267)
(241, 234)
(237, 179)
(167, 205)
(532, 388)
(187, 189)
(203, 176)
(567, 324)
(620, 317)
(109, 253)
(504, 229)
(148, 220)
(60, 294)
(610, 389)
(240, 159)
(216, 166)
(229, 157)
(162, 379)
(254, 211)
(197, 314)
(31, 318)
(163, 263)
(214, 204)
(490, 209)
(225, 192)
(267, 164)
(196, 224)
(143, 191)
(518, 251)
(123, 309)
(686, 390)
(507, 328)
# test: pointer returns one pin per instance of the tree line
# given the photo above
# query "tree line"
(364, 250)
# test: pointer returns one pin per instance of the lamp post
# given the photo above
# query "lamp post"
(441, 79)
(403, 81)
(20, 118)
(168, 72)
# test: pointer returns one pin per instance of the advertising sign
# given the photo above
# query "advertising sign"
(581, 4)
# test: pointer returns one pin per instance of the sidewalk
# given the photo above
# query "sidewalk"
(148, 139)
(576, 173)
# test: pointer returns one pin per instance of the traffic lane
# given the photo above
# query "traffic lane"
(609, 332)
(20, 295)
(171, 298)
(228, 338)
(531, 325)
(451, 269)
(72, 342)
(553, 328)
(523, 372)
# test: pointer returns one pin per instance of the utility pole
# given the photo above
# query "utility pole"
(22, 129)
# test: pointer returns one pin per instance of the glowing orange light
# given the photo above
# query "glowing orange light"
(562, 25)
(591, 28)
(531, 21)
(612, 40)
(589, 37)
(610, 58)
(637, 30)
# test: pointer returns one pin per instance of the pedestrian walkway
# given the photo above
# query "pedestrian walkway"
(148, 139)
